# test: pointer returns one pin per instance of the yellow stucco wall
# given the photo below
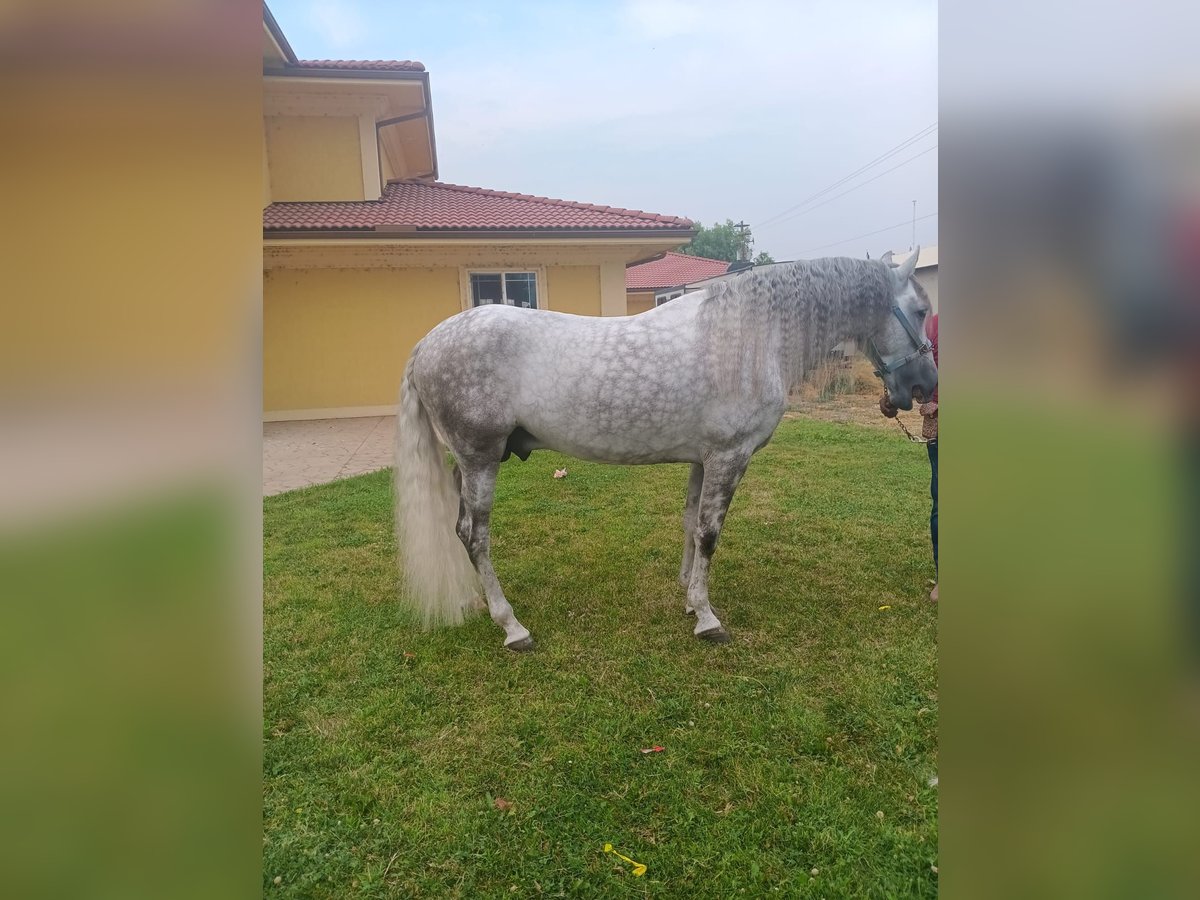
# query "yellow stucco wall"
(574, 289)
(639, 301)
(340, 337)
(314, 158)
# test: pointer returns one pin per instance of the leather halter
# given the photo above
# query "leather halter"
(921, 346)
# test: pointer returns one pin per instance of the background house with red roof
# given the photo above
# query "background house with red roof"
(365, 249)
(651, 283)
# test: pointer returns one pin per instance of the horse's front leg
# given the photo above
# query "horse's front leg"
(721, 477)
(690, 511)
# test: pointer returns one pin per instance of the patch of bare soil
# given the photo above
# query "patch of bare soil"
(855, 409)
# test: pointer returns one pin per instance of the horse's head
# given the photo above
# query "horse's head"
(898, 347)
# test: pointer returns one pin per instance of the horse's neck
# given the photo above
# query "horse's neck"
(768, 337)
(808, 332)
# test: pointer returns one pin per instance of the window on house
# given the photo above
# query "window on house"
(660, 299)
(509, 288)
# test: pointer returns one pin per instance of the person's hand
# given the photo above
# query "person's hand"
(929, 409)
(885, 407)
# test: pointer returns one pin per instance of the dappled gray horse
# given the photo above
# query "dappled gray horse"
(703, 379)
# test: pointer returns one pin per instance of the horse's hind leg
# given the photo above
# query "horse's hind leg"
(690, 511)
(474, 515)
(477, 602)
(721, 477)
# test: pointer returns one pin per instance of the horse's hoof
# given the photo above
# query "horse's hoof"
(716, 635)
(521, 646)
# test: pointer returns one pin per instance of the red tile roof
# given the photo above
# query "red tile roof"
(435, 206)
(386, 65)
(673, 270)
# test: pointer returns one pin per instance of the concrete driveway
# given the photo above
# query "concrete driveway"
(297, 454)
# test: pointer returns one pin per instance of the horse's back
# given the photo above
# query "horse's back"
(474, 366)
(494, 334)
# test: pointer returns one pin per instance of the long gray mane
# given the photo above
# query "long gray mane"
(790, 315)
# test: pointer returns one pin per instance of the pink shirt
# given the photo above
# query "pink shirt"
(931, 328)
(929, 425)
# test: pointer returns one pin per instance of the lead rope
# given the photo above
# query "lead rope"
(912, 437)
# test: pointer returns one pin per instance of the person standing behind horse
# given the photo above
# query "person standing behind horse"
(929, 431)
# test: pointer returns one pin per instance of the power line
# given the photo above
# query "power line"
(907, 142)
(924, 132)
(856, 187)
(802, 254)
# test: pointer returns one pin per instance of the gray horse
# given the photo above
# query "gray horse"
(703, 379)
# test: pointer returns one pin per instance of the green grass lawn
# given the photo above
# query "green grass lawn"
(804, 746)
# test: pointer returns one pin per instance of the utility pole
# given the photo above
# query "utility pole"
(914, 232)
(744, 243)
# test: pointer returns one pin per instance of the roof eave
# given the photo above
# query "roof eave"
(350, 234)
(278, 36)
(655, 258)
(429, 125)
(294, 71)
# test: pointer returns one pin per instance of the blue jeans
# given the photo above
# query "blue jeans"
(932, 447)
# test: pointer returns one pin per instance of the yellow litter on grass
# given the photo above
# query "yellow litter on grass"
(882, 608)
(639, 869)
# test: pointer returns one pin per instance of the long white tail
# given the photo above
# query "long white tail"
(439, 582)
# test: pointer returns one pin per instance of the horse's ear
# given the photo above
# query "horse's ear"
(886, 258)
(906, 268)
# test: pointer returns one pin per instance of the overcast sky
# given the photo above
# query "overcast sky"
(740, 109)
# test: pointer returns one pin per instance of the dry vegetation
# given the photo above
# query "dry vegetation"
(847, 394)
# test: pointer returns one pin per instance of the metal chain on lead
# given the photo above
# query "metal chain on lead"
(912, 437)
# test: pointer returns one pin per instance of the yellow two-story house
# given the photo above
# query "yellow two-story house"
(365, 249)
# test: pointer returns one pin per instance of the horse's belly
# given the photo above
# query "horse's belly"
(627, 446)
(626, 431)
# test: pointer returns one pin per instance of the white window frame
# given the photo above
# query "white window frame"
(660, 299)
(465, 273)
